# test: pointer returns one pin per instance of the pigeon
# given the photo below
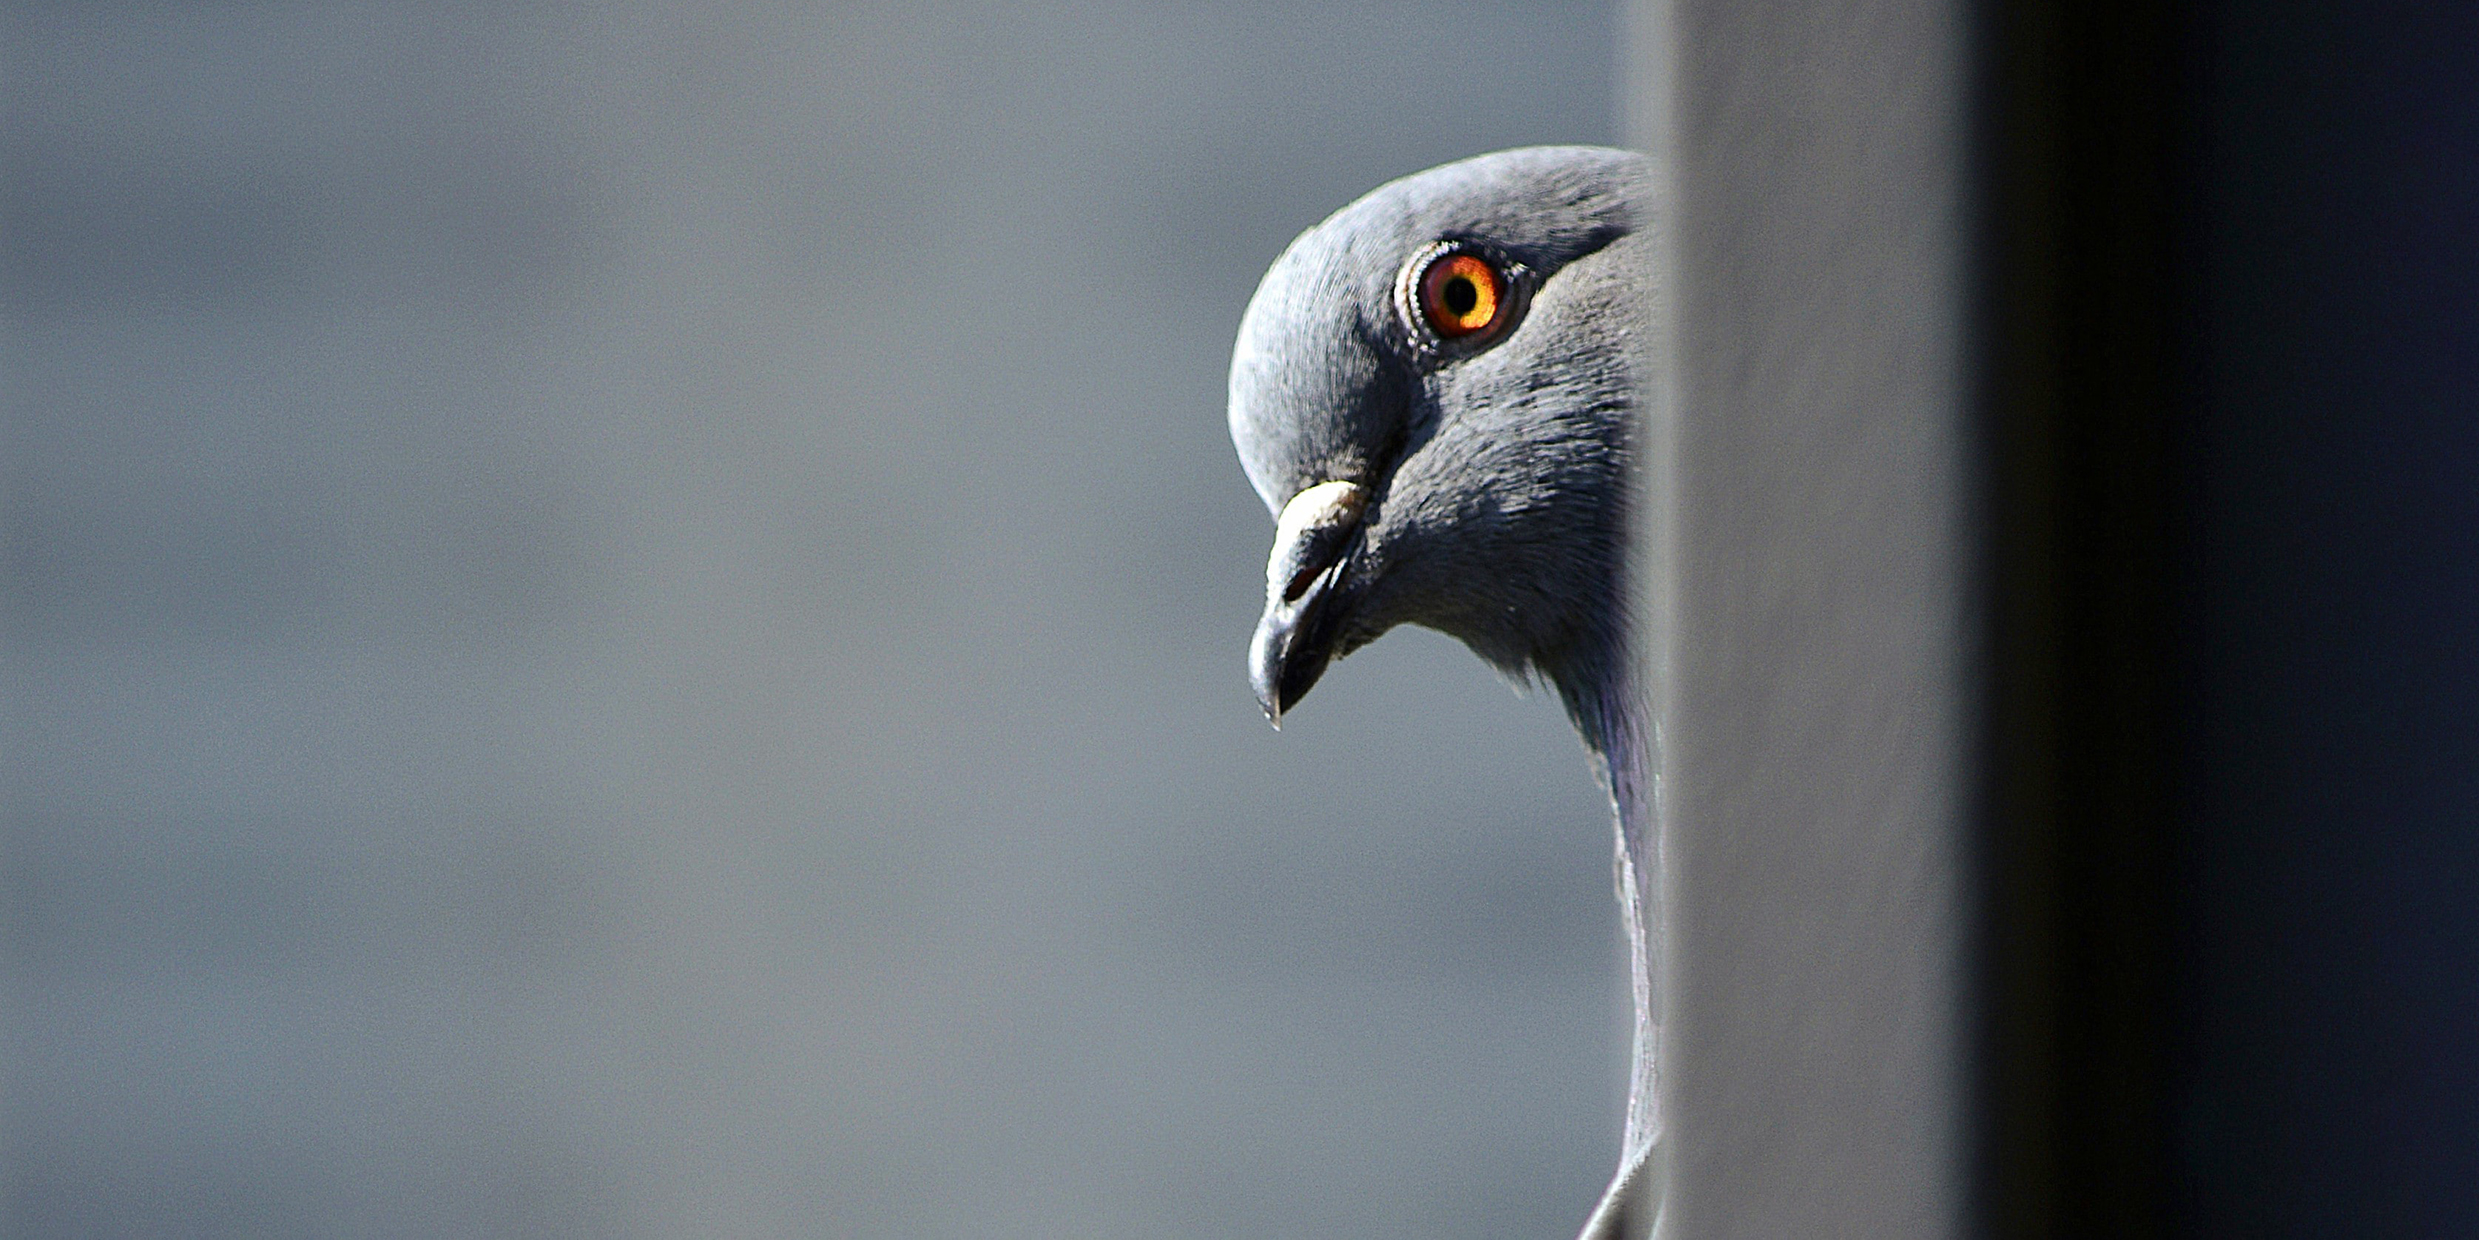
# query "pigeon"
(1437, 392)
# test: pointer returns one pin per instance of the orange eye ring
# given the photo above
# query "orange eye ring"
(1461, 295)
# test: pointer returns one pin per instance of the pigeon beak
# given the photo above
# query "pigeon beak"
(1313, 544)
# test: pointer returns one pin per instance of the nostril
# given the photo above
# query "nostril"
(1313, 533)
(1316, 556)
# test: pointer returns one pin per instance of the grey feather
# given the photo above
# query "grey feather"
(1488, 483)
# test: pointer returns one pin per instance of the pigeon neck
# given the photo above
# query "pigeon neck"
(1602, 702)
(1602, 699)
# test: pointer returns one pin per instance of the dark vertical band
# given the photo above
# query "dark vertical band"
(2078, 110)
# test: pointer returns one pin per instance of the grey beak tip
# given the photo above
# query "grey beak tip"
(1271, 705)
(1317, 537)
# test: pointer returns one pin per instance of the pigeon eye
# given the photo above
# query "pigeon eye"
(1461, 294)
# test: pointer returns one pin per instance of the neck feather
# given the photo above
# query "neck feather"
(1602, 700)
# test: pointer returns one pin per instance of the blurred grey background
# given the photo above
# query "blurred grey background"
(629, 622)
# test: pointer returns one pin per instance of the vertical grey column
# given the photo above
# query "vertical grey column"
(1810, 592)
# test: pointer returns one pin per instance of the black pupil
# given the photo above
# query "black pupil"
(1461, 296)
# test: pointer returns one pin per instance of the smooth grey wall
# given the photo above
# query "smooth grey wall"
(1820, 710)
(628, 622)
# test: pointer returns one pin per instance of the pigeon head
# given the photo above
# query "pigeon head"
(1434, 391)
